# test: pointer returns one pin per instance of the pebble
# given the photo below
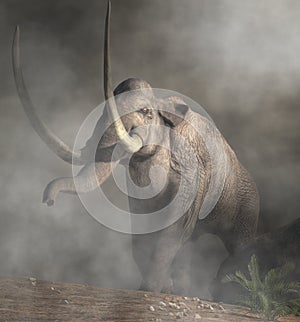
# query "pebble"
(179, 315)
(174, 305)
(197, 316)
(182, 303)
(162, 303)
(151, 308)
(33, 281)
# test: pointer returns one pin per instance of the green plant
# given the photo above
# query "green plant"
(271, 296)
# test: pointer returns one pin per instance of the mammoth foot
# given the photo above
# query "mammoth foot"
(166, 287)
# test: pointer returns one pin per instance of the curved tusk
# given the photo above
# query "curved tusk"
(52, 141)
(130, 143)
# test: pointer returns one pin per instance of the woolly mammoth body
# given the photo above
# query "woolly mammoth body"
(145, 131)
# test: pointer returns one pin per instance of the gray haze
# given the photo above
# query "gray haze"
(238, 59)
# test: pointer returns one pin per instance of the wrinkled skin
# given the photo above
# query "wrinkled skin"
(233, 219)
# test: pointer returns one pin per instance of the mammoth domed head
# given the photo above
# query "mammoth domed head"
(141, 114)
(133, 95)
(137, 108)
(132, 84)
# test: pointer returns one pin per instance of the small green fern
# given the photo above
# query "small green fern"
(271, 296)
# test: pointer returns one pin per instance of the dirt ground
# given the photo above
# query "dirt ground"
(28, 299)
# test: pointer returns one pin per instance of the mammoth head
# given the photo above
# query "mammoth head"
(142, 113)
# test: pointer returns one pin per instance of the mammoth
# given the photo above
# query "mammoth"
(162, 132)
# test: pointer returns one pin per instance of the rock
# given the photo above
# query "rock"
(179, 315)
(151, 308)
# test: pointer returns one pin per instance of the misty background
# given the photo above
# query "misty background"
(238, 59)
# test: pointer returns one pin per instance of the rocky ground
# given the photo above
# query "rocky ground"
(34, 300)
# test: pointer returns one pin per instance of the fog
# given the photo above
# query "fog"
(238, 59)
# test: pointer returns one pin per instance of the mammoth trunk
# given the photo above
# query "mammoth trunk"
(89, 178)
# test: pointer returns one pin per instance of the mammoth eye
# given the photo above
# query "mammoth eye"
(145, 110)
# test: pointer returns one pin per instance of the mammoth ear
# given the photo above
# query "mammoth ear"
(173, 111)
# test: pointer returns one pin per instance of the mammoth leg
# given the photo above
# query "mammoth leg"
(89, 178)
(155, 267)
